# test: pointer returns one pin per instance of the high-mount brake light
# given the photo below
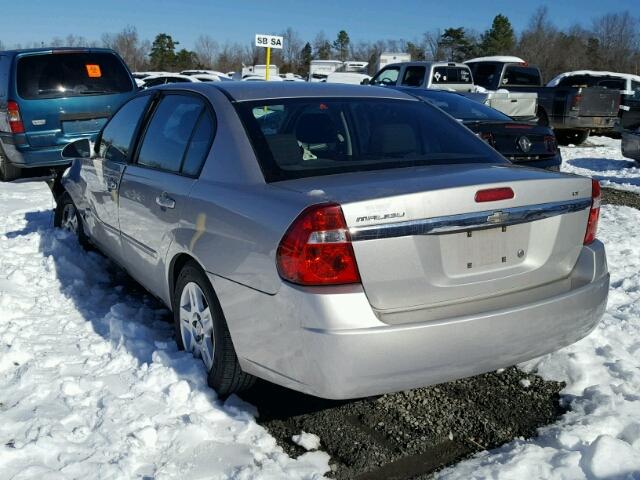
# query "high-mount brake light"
(594, 213)
(317, 250)
(494, 194)
(15, 120)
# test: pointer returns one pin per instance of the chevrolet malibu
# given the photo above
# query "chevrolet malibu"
(338, 240)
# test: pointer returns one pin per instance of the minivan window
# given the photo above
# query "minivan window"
(324, 136)
(413, 76)
(388, 76)
(73, 74)
(522, 76)
(169, 131)
(117, 135)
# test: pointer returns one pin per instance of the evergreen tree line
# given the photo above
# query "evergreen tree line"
(610, 42)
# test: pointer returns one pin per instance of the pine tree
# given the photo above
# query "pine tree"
(163, 52)
(499, 39)
(341, 45)
(307, 55)
(456, 45)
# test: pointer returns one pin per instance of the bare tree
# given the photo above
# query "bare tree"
(291, 51)
(206, 49)
(617, 35)
(129, 46)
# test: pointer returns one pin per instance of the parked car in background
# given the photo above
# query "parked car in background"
(354, 73)
(340, 240)
(209, 77)
(571, 111)
(522, 143)
(161, 79)
(319, 69)
(441, 75)
(222, 76)
(631, 144)
(455, 77)
(626, 83)
(50, 97)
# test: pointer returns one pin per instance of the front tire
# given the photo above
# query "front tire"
(67, 218)
(201, 329)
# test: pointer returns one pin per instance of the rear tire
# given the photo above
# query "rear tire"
(8, 171)
(576, 137)
(201, 328)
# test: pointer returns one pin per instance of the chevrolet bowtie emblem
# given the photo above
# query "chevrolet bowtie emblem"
(498, 217)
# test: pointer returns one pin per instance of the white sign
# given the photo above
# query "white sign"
(272, 41)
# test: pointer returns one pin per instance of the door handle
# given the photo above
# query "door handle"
(165, 201)
(111, 184)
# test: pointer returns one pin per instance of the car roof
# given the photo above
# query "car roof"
(248, 91)
(57, 49)
(429, 64)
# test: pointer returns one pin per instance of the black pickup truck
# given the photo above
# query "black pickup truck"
(571, 111)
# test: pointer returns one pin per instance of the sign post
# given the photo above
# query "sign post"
(269, 42)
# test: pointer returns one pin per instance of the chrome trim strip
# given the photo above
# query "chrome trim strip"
(469, 221)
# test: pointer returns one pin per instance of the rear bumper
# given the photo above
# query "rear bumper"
(332, 345)
(23, 155)
(548, 163)
(584, 123)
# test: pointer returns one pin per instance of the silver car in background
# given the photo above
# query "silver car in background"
(343, 241)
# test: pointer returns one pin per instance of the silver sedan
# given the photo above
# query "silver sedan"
(339, 240)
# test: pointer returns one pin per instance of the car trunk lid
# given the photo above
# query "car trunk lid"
(421, 240)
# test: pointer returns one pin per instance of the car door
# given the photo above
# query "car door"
(154, 190)
(102, 175)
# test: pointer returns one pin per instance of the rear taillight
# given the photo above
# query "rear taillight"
(494, 194)
(550, 143)
(317, 250)
(575, 101)
(488, 137)
(15, 121)
(594, 213)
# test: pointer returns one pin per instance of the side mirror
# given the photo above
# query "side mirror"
(77, 149)
(365, 81)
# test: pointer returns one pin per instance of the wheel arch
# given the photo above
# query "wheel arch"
(176, 265)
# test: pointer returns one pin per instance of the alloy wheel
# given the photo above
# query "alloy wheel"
(196, 324)
(69, 219)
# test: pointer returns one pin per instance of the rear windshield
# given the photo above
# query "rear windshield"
(522, 76)
(451, 75)
(484, 74)
(461, 107)
(71, 75)
(296, 138)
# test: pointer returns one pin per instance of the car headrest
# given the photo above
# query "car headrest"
(394, 138)
(316, 128)
(285, 149)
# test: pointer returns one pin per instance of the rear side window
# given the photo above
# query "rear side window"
(413, 76)
(199, 145)
(117, 135)
(451, 75)
(522, 76)
(388, 76)
(296, 138)
(60, 75)
(169, 132)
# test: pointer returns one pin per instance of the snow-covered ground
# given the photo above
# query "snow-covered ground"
(92, 385)
(91, 382)
(601, 157)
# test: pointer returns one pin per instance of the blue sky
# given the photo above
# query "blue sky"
(238, 21)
